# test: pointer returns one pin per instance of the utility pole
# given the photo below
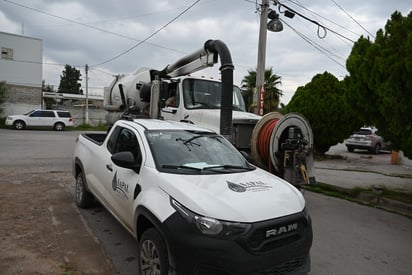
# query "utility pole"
(86, 110)
(258, 98)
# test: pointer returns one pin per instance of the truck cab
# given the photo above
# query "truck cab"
(197, 100)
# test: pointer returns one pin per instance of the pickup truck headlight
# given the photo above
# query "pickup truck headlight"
(211, 226)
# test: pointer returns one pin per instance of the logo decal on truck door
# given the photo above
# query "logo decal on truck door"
(120, 187)
(253, 186)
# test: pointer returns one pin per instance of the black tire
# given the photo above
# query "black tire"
(84, 198)
(376, 150)
(59, 126)
(19, 125)
(152, 255)
(350, 149)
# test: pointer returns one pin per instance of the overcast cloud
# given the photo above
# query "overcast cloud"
(93, 31)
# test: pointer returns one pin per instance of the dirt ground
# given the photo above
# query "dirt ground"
(41, 229)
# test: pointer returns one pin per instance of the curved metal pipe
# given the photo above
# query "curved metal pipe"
(226, 68)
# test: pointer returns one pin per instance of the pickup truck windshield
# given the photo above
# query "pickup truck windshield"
(205, 94)
(188, 152)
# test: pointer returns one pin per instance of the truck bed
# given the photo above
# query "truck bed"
(97, 138)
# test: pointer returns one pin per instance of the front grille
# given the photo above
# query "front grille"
(269, 235)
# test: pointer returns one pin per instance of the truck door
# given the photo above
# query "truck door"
(123, 182)
(173, 106)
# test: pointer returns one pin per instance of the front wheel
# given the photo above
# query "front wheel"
(19, 125)
(83, 197)
(152, 254)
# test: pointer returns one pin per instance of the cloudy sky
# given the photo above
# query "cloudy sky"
(94, 32)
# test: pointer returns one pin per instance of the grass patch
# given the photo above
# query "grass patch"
(68, 269)
(354, 193)
(88, 127)
(328, 157)
(396, 195)
(2, 122)
(366, 196)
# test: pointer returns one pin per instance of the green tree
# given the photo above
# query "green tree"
(322, 102)
(272, 92)
(69, 81)
(47, 89)
(3, 90)
(380, 82)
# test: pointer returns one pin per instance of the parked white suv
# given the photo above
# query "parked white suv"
(365, 138)
(56, 119)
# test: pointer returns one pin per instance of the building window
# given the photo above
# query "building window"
(6, 53)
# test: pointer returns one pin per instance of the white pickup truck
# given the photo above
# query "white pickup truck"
(192, 201)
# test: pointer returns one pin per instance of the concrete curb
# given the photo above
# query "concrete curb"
(367, 198)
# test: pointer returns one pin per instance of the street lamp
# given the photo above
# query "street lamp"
(274, 25)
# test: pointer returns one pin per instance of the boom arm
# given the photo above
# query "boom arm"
(191, 63)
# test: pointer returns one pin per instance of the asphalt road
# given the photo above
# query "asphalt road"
(348, 238)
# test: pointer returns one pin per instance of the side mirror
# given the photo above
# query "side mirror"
(125, 160)
(170, 110)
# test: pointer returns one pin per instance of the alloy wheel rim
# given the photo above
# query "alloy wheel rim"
(79, 190)
(149, 258)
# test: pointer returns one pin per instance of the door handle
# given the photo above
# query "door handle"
(109, 167)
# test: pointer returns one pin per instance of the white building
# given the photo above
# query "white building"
(21, 69)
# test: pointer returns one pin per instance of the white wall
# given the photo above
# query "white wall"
(25, 68)
(18, 109)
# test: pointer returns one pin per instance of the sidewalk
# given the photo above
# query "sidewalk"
(361, 169)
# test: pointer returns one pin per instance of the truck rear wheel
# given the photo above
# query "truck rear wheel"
(376, 150)
(84, 198)
(152, 257)
(59, 126)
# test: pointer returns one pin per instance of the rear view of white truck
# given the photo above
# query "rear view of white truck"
(192, 201)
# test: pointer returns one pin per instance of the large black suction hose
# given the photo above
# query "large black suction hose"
(226, 69)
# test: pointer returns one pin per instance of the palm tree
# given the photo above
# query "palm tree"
(272, 93)
(248, 86)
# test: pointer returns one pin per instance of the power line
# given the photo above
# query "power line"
(150, 36)
(354, 20)
(315, 45)
(91, 27)
(308, 19)
(315, 22)
(323, 17)
(37, 62)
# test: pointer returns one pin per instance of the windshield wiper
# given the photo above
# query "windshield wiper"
(191, 143)
(229, 166)
(171, 166)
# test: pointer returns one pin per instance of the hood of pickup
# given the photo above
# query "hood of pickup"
(211, 118)
(241, 197)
